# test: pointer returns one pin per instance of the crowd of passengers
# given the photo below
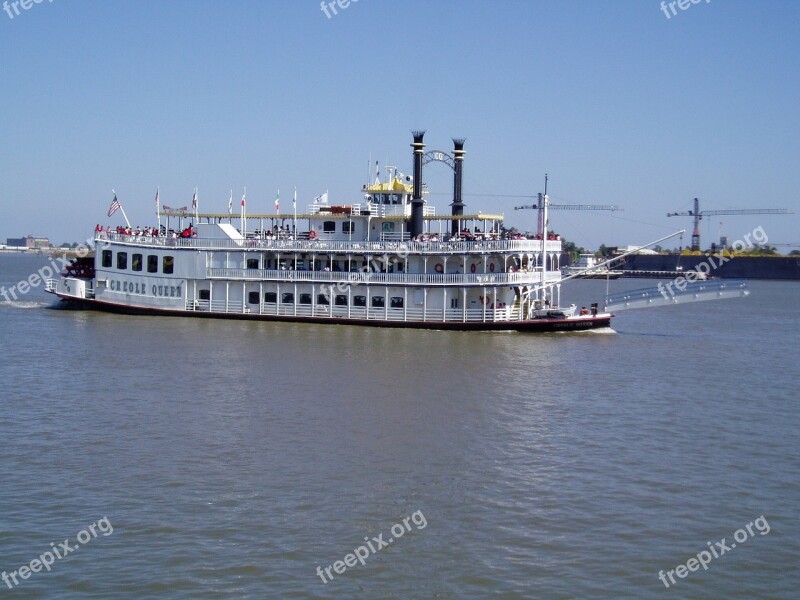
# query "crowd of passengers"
(188, 232)
(465, 235)
(284, 232)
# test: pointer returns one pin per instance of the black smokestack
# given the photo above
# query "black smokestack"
(416, 226)
(458, 204)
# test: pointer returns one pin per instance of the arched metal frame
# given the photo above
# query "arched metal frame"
(439, 156)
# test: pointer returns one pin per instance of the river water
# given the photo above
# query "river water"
(219, 458)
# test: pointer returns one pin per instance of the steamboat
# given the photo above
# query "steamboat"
(389, 260)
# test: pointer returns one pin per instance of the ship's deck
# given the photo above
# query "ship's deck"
(324, 246)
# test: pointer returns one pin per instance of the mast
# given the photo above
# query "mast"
(543, 203)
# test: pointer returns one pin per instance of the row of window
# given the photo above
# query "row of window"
(330, 226)
(137, 261)
(318, 265)
(322, 299)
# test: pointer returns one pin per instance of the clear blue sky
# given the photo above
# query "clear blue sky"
(616, 102)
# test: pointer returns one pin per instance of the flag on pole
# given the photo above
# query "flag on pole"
(115, 206)
(194, 199)
(377, 173)
(322, 198)
(278, 202)
(157, 199)
(243, 226)
(230, 203)
(294, 210)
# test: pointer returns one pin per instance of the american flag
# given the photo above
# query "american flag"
(115, 206)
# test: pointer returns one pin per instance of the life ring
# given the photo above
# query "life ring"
(439, 268)
(473, 268)
(312, 235)
(491, 267)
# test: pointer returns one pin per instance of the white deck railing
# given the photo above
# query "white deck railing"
(470, 279)
(472, 315)
(325, 247)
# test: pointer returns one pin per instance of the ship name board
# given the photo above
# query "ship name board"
(135, 287)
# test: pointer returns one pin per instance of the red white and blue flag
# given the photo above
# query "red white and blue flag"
(115, 206)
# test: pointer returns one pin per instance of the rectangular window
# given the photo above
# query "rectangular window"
(348, 227)
(396, 302)
(152, 263)
(287, 298)
(453, 302)
(204, 294)
(270, 297)
(340, 300)
(252, 263)
(168, 265)
(359, 300)
(107, 258)
(323, 299)
(378, 302)
(122, 260)
(305, 298)
(329, 226)
(136, 262)
(252, 297)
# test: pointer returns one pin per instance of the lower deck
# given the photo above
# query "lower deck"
(371, 305)
(490, 320)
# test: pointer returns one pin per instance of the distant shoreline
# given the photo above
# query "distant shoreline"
(19, 250)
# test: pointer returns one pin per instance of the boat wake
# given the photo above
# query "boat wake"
(23, 304)
(600, 331)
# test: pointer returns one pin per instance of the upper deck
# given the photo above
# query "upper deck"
(485, 246)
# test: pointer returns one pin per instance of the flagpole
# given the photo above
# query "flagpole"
(158, 212)
(294, 206)
(123, 210)
(242, 227)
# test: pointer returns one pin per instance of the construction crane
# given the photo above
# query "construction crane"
(544, 204)
(698, 216)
